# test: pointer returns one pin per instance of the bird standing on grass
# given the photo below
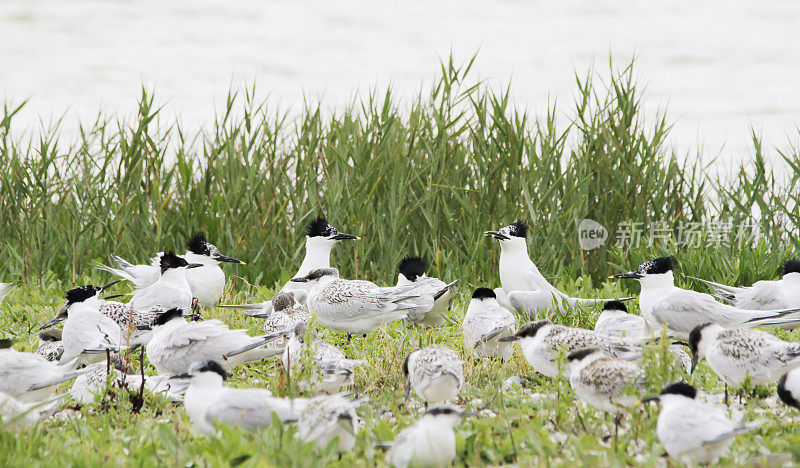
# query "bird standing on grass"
(171, 290)
(329, 417)
(485, 325)
(412, 271)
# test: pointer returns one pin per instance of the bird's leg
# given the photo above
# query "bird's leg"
(727, 403)
(141, 368)
(580, 419)
(617, 420)
(741, 394)
(108, 361)
(349, 338)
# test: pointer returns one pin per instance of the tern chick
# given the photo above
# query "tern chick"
(486, 323)
(694, 433)
(284, 313)
(326, 418)
(354, 307)
(208, 402)
(602, 380)
(428, 442)
(541, 341)
(332, 368)
(435, 372)
(50, 346)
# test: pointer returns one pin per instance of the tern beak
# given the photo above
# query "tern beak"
(341, 236)
(103, 288)
(300, 279)
(695, 360)
(496, 234)
(49, 324)
(509, 338)
(628, 275)
(226, 259)
(144, 327)
(185, 375)
(194, 265)
(467, 414)
(113, 296)
(649, 399)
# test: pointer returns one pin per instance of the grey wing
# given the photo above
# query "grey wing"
(682, 310)
(356, 299)
(763, 295)
(251, 411)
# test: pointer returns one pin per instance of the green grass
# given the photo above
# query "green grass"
(535, 426)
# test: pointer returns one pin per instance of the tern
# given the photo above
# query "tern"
(171, 290)
(412, 271)
(50, 346)
(208, 402)
(320, 239)
(789, 388)
(526, 290)
(332, 368)
(18, 414)
(175, 344)
(763, 295)
(207, 284)
(6, 288)
(327, 418)
(283, 312)
(485, 324)
(428, 442)
(541, 342)
(680, 310)
(691, 432)
(734, 354)
(356, 307)
(28, 377)
(435, 372)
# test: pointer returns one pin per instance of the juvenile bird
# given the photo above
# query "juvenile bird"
(428, 442)
(329, 417)
(435, 372)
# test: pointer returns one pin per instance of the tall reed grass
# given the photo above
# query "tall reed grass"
(424, 177)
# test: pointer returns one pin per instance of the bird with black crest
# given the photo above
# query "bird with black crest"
(412, 271)
(172, 289)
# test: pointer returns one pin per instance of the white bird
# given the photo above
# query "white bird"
(171, 290)
(789, 388)
(207, 284)
(6, 288)
(691, 432)
(208, 402)
(87, 334)
(428, 442)
(328, 417)
(50, 346)
(735, 353)
(175, 344)
(541, 342)
(485, 324)
(355, 307)
(616, 323)
(29, 377)
(283, 313)
(332, 368)
(320, 239)
(18, 414)
(680, 310)
(763, 295)
(412, 271)
(435, 372)
(524, 287)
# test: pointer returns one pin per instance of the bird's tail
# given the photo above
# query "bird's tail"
(446, 288)
(779, 318)
(722, 291)
(256, 310)
(57, 380)
(260, 341)
(742, 429)
(122, 271)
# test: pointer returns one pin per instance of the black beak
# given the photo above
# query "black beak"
(651, 398)
(144, 327)
(113, 296)
(103, 288)
(223, 258)
(341, 236)
(300, 279)
(628, 275)
(185, 375)
(194, 265)
(497, 235)
(695, 360)
(509, 338)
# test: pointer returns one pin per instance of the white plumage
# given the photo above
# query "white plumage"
(435, 372)
(485, 323)
(428, 442)
(28, 377)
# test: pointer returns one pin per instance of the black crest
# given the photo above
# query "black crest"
(518, 229)
(170, 260)
(6, 343)
(694, 337)
(530, 329)
(659, 265)
(791, 266)
(81, 293)
(680, 388)
(442, 410)
(615, 305)
(319, 227)
(213, 366)
(580, 354)
(198, 245)
(483, 293)
(412, 267)
(167, 316)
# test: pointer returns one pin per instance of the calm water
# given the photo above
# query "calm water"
(718, 67)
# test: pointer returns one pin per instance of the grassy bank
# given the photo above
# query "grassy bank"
(426, 176)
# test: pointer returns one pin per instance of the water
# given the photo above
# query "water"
(717, 67)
